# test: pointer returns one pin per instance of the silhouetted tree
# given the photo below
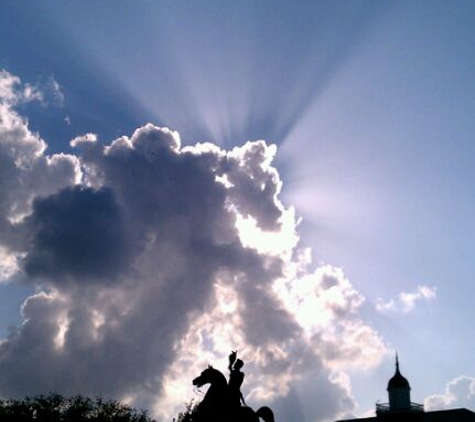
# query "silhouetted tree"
(56, 408)
(188, 414)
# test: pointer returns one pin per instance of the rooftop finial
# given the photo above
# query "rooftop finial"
(397, 362)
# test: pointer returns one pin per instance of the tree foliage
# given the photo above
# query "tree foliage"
(188, 414)
(56, 408)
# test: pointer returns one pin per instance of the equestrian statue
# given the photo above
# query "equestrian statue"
(224, 402)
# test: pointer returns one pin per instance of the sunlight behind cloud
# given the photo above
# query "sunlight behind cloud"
(63, 325)
(8, 264)
(280, 242)
(370, 105)
(170, 257)
(215, 75)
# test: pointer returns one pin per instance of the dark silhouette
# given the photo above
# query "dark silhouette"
(56, 408)
(216, 403)
(400, 408)
(219, 404)
(236, 378)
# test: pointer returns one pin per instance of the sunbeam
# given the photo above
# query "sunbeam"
(293, 180)
(251, 72)
(233, 71)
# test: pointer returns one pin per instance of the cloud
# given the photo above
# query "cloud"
(406, 302)
(77, 233)
(151, 259)
(26, 171)
(78, 140)
(8, 264)
(460, 392)
(55, 91)
(13, 92)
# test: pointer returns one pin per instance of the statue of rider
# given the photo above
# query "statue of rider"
(236, 378)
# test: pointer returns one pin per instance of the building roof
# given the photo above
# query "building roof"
(451, 415)
(411, 412)
(398, 381)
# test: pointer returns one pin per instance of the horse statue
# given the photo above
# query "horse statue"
(217, 405)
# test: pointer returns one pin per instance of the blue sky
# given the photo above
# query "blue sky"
(370, 105)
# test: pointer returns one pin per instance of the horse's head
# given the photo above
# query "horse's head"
(208, 376)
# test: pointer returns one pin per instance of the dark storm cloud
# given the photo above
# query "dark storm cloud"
(78, 233)
(145, 188)
(141, 273)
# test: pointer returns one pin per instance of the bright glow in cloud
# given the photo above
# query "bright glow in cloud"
(280, 242)
(78, 140)
(151, 259)
(8, 264)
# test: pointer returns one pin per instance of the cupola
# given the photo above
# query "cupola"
(399, 391)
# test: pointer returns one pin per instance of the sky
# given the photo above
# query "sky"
(292, 180)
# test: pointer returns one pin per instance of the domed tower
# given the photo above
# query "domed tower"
(399, 391)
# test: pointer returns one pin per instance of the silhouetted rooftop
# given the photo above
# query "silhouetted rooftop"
(411, 412)
(451, 415)
(398, 381)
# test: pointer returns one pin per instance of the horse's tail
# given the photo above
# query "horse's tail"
(265, 413)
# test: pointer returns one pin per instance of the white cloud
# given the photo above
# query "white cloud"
(460, 392)
(8, 264)
(25, 171)
(326, 306)
(407, 301)
(55, 90)
(13, 92)
(151, 260)
(83, 139)
(8, 83)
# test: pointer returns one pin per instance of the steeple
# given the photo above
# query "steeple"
(399, 391)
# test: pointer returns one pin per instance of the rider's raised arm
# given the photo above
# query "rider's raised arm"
(232, 359)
